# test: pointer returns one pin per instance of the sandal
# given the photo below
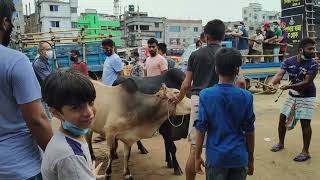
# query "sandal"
(302, 157)
(277, 147)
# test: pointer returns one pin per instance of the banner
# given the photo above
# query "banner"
(287, 4)
(294, 27)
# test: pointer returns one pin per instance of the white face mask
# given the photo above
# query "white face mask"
(49, 54)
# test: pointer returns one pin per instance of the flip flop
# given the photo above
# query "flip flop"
(302, 157)
(277, 147)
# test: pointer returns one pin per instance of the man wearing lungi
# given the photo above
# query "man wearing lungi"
(300, 104)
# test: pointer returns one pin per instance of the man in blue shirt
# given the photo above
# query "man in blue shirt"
(41, 64)
(113, 66)
(23, 123)
(300, 104)
(226, 115)
(42, 67)
(242, 34)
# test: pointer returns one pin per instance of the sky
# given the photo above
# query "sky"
(227, 10)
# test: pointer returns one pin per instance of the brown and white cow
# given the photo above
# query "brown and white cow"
(125, 114)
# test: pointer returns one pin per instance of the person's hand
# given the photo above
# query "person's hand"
(97, 169)
(198, 163)
(250, 168)
(176, 99)
(285, 87)
(271, 88)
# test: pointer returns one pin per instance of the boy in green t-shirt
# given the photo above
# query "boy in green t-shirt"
(278, 34)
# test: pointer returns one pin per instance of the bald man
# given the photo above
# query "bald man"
(42, 67)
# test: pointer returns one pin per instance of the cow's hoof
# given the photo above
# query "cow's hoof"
(143, 150)
(108, 177)
(169, 165)
(128, 177)
(178, 171)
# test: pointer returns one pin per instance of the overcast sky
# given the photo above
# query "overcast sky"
(227, 10)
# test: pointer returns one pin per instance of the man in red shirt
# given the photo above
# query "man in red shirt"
(77, 64)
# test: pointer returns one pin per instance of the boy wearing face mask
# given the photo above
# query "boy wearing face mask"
(302, 70)
(77, 64)
(70, 96)
(113, 66)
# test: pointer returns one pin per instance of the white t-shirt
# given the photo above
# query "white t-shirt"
(256, 46)
(66, 158)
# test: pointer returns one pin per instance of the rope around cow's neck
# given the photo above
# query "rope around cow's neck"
(176, 126)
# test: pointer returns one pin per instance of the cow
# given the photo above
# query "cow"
(126, 114)
(173, 78)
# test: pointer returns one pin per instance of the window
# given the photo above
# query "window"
(244, 12)
(94, 19)
(156, 25)
(55, 24)
(73, 24)
(174, 29)
(74, 10)
(251, 28)
(158, 35)
(184, 28)
(54, 7)
(250, 15)
(255, 17)
(245, 19)
(195, 29)
(144, 27)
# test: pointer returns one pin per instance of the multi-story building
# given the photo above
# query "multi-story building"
(104, 25)
(179, 34)
(254, 16)
(18, 19)
(53, 15)
(138, 27)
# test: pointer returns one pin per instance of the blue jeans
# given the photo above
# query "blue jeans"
(213, 173)
(37, 177)
(275, 52)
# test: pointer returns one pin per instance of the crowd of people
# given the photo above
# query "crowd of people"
(270, 39)
(222, 117)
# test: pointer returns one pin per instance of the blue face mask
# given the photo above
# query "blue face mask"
(74, 129)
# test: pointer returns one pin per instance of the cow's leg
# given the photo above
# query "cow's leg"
(176, 166)
(110, 144)
(142, 149)
(89, 141)
(126, 154)
(168, 155)
(114, 154)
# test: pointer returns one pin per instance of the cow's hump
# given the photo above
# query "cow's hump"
(129, 85)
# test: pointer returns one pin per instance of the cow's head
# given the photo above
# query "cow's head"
(167, 94)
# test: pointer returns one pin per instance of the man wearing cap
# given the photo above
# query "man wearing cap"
(278, 36)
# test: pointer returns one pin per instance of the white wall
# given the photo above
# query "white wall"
(186, 32)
